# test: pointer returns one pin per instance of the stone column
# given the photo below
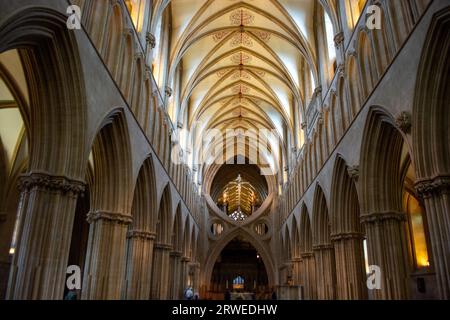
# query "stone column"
(151, 44)
(297, 271)
(47, 210)
(194, 271)
(139, 265)
(175, 275)
(340, 48)
(288, 271)
(106, 256)
(6, 231)
(185, 272)
(350, 274)
(160, 279)
(325, 271)
(309, 276)
(388, 250)
(436, 197)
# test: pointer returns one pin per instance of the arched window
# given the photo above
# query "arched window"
(331, 49)
(330, 38)
(238, 283)
(136, 10)
(416, 226)
(354, 9)
(157, 50)
(161, 50)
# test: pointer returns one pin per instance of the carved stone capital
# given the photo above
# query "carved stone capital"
(143, 235)
(429, 187)
(346, 236)
(378, 217)
(320, 118)
(403, 121)
(304, 125)
(323, 247)
(148, 73)
(46, 181)
(168, 91)
(163, 246)
(353, 172)
(317, 91)
(341, 70)
(306, 255)
(127, 32)
(176, 254)
(151, 40)
(112, 217)
(352, 53)
(339, 39)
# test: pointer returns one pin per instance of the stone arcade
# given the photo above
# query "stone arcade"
(130, 149)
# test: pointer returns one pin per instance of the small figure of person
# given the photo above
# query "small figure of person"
(274, 295)
(71, 295)
(189, 294)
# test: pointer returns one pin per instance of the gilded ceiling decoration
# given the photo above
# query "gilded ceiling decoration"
(241, 58)
(242, 18)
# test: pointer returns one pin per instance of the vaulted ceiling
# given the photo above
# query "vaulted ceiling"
(242, 64)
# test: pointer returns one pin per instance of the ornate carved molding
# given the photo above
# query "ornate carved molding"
(48, 182)
(346, 236)
(403, 121)
(341, 70)
(143, 235)
(320, 118)
(435, 186)
(352, 53)
(151, 40)
(163, 246)
(378, 217)
(304, 125)
(339, 39)
(139, 55)
(317, 91)
(168, 91)
(353, 172)
(113, 217)
(320, 247)
(306, 255)
(148, 73)
(127, 32)
(176, 254)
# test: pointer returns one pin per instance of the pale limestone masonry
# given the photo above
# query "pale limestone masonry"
(93, 119)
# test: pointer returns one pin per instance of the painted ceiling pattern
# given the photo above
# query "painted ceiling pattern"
(243, 65)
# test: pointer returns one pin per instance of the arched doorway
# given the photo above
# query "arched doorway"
(239, 270)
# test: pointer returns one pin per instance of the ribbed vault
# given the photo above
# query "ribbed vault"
(247, 65)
